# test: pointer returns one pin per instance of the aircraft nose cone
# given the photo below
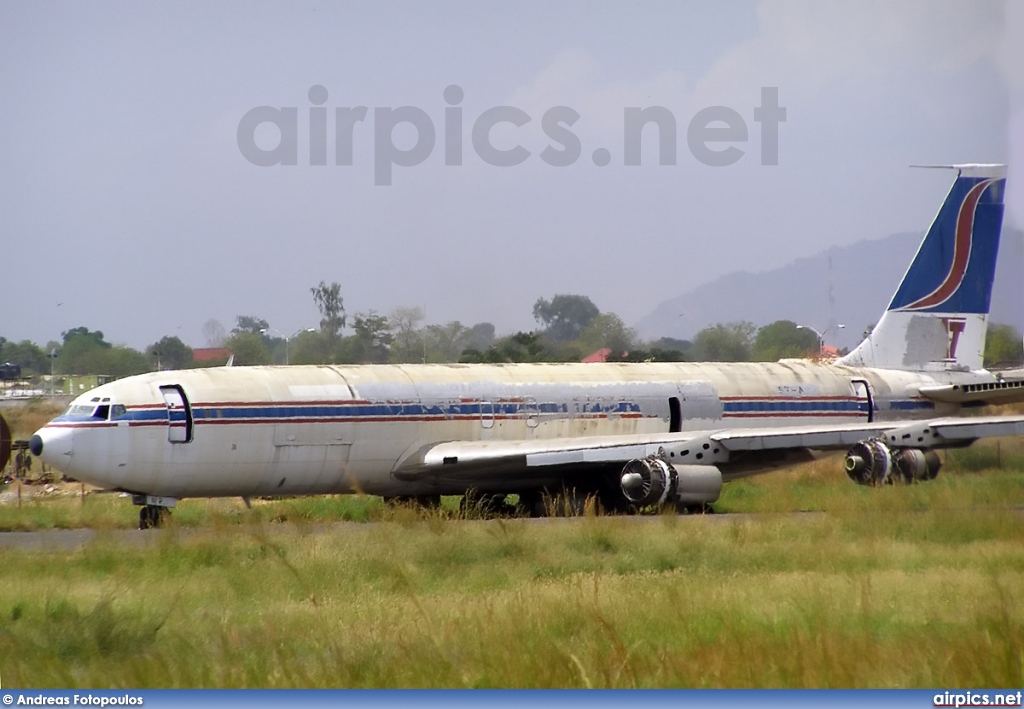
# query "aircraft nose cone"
(52, 446)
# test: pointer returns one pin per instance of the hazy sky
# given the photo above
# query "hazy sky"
(128, 206)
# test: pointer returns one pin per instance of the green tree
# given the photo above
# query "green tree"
(248, 348)
(783, 338)
(170, 353)
(445, 343)
(729, 342)
(409, 344)
(606, 330)
(249, 323)
(564, 316)
(520, 347)
(96, 336)
(372, 338)
(119, 361)
(30, 356)
(85, 351)
(481, 336)
(310, 348)
(332, 313)
(81, 352)
(1003, 347)
(664, 349)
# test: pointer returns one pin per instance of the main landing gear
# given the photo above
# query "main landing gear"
(154, 511)
(151, 516)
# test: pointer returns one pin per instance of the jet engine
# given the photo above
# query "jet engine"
(652, 481)
(915, 464)
(873, 462)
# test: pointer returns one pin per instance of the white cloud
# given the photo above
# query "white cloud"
(576, 79)
(1010, 60)
(809, 44)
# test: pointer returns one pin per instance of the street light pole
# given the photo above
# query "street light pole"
(821, 335)
(266, 330)
(53, 358)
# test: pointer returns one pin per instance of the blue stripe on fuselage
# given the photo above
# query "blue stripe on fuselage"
(355, 412)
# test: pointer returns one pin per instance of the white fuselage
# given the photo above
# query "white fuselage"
(336, 429)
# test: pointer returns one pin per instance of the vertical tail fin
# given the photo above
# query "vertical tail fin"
(938, 317)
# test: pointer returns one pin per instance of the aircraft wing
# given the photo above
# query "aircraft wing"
(486, 460)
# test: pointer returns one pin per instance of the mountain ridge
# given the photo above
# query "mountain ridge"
(860, 283)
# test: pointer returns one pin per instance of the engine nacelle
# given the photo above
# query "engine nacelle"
(914, 464)
(648, 481)
(652, 481)
(698, 484)
(869, 462)
(873, 462)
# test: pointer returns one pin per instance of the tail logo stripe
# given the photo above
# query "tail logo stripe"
(961, 251)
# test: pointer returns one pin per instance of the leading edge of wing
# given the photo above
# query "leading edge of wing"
(452, 458)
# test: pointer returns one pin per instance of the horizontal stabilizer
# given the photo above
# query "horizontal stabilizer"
(1002, 391)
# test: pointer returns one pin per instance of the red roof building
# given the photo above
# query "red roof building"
(210, 354)
(600, 356)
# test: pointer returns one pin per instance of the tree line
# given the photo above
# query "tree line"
(569, 328)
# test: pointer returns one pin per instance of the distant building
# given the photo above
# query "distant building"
(600, 356)
(829, 353)
(211, 354)
(74, 384)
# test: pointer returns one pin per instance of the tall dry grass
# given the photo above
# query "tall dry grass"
(27, 419)
(922, 598)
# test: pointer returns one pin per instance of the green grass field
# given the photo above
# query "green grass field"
(826, 584)
(913, 587)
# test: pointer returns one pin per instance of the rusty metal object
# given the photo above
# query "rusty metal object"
(5, 443)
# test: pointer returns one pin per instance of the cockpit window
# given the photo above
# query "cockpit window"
(101, 412)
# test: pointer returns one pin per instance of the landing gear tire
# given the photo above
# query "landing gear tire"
(151, 516)
(531, 504)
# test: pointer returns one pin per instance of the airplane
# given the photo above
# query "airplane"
(633, 435)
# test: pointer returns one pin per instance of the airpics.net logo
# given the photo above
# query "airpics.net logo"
(713, 134)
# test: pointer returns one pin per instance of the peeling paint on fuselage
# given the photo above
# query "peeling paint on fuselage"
(331, 429)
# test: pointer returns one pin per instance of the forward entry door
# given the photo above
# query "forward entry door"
(179, 414)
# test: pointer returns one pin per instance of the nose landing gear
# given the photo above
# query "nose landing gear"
(154, 511)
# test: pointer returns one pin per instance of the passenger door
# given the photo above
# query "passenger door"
(862, 390)
(179, 414)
